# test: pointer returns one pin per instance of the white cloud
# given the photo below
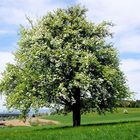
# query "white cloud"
(123, 13)
(130, 43)
(5, 57)
(133, 82)
(130, 65)
(13, 12)
(131, 68)
(11, 15)
(2, 31)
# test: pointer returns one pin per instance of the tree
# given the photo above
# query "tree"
(64, 61)
(18, 86)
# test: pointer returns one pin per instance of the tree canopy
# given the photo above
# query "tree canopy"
(64, 61)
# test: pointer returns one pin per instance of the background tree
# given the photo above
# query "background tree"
(64, 60)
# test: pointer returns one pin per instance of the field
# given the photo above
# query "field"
(116, 126)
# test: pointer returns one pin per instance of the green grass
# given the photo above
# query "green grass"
(116, 126)
(93, 118)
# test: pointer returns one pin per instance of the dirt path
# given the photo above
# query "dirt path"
(37, 121)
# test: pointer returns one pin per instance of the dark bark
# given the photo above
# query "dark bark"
(76, 108)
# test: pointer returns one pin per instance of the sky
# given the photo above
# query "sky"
(123, 13)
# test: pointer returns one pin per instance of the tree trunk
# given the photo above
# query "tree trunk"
(76, 108)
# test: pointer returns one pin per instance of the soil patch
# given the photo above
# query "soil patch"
(33, 121)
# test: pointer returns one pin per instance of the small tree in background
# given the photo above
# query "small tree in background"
(64, 61)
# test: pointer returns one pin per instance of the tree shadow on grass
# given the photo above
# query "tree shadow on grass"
(89, 125)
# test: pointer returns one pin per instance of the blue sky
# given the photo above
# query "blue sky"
(124, 14)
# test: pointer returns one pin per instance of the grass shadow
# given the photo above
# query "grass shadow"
(89, 125)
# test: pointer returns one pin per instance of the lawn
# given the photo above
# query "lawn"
(93, 118)
(116, 126)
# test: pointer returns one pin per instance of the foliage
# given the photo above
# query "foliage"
(129, 103)
(63, 55)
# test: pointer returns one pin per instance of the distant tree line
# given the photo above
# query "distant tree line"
(129, 103)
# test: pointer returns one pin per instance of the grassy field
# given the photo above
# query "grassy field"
(116, 126)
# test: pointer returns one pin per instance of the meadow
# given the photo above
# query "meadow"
(111, 126)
